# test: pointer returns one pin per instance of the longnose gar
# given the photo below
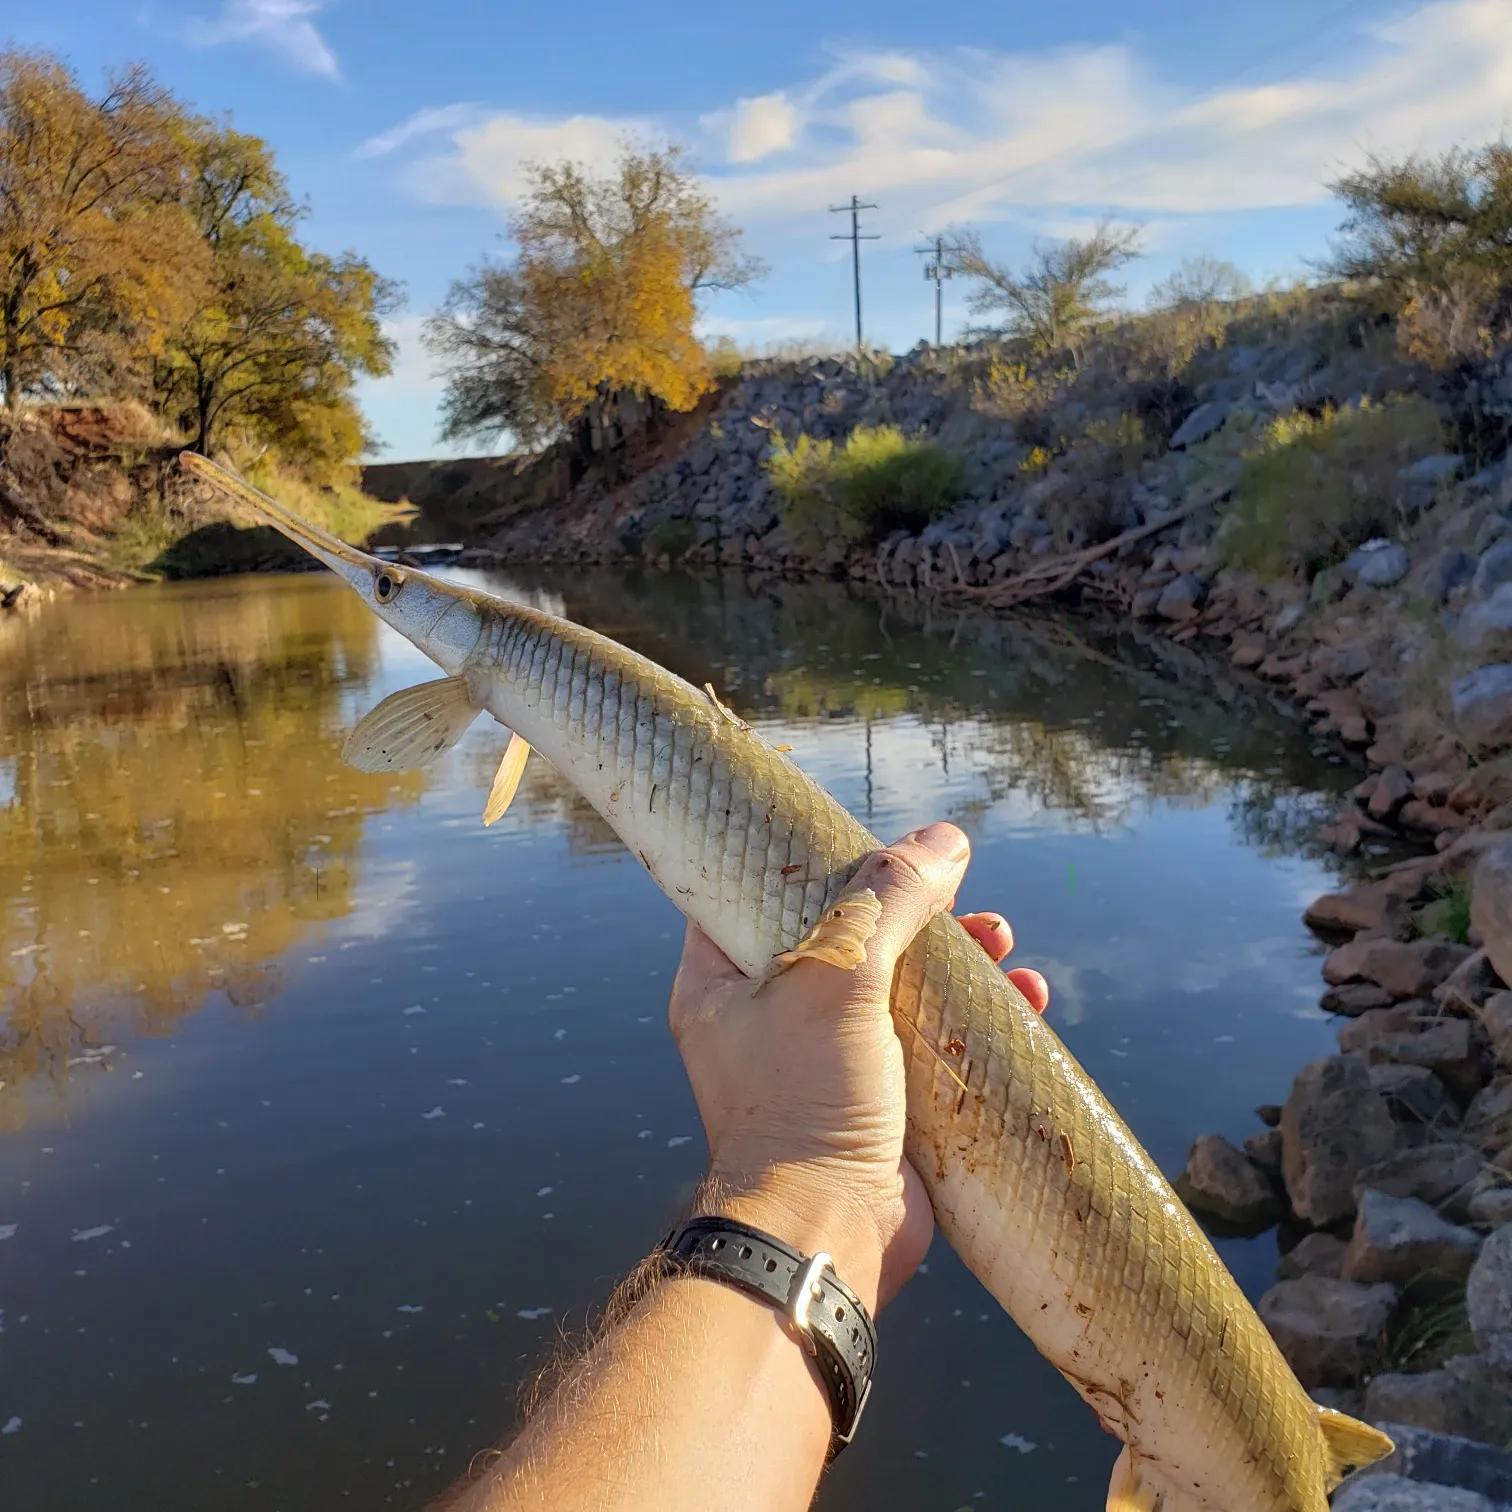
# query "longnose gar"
(1035, 1180)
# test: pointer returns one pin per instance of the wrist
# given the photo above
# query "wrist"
(810, 1212)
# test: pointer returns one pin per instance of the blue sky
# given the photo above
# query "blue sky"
(1216, 126)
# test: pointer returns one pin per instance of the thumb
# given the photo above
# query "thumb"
(914, 880)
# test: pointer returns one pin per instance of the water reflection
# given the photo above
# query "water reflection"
(175, 814)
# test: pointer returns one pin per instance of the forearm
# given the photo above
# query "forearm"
(696, 1386)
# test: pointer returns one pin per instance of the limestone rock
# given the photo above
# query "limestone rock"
(1488, 1119)
(1481, 704)
(1378, 1023)
(1434, 470)
(1181, 599)
(1399, 1238)
(1413, 1094)
(1488, 1298)
(1224, 1182)
(1468, 985)
(1333, 1126)
(1264, 1149)
(1491, 1208)
(1491, 905)
(1395, 1493)
(1467, 1396)
(1368, 906)
(1496, 1020)
(1431, 1173)
(1199, 425)
(1377, 564)
(1404, 968)
(1493, 569)
(1443, 1047)
(1485, 629)
(1393, 788)
(1354, 998)
(1451, 569)
(1317, 1254)
(1327, 1329)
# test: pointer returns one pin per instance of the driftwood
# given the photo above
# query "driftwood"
(54, 535)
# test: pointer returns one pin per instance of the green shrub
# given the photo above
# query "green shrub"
(1447, 916)
(877, 481)
(672, 538)
(1317, 486)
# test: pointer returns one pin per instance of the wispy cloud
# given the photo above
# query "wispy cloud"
(975, 135)
(285, 26)
(432, 121)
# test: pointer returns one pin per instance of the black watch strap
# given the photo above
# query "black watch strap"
(831, 1320)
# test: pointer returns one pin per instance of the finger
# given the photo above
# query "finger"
(914, 880)
(1034, 987)
(991, 931)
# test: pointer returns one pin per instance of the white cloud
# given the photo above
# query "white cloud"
(974, 135)
(431, 121)
(283, 25)
(760, 127)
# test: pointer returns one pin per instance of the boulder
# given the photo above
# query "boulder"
(1491, 1208)
(1369, 906)
(1450, 569)
(1434, 470)
(1379, 693)
(1431, 1173)
(1484, 630)
(1203, 422)
(1493, 569)
(1467, 1396)
(1181, 599)
(1488, 1119)
(1333, 1126)
(1377, 564)
(1269, 1114)
(1225, 1183)
(1413, 1094)
(1392, 789)
(1488, 1298)
(1397, 1239)
(1496, 1019)
(1404, 968)
(1354, 998)
(1329, 1330)
(1378, 1023)
(1468, 985)
(1317, 1254)
(1443, 1046)
(1395, 1493)
(1481, 704)
(1491, 906)
(1264, 1149)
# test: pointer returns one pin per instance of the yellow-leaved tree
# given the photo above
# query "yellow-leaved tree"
(600, 298)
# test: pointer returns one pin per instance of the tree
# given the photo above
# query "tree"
(1200, 281)
(1423, 222)
(92, 235)
(600, 297)
(276, 334)
(1063, 292)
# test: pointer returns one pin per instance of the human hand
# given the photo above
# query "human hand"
(801, 1090)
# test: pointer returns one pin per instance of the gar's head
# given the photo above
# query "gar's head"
(443, 619)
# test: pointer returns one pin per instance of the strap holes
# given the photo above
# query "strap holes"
(716, 1244)
(839, 1315)
(745, 1251)
(771, 1264)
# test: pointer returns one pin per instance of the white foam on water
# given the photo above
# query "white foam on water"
(571, 1081)
(530, 1314)
(679, 1139)
(99, 1232)
(8, 1230)
(12, 1425)
(413, 1009)
(283, 1356)
(250, 1379)
(1016, 1441)
(410, 1307)
(437, 1112)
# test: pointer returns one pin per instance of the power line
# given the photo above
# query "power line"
(855, 238)
(938, 270)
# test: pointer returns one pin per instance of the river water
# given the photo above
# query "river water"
(325, 1114)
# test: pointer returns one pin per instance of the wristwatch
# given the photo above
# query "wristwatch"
(826, 1314)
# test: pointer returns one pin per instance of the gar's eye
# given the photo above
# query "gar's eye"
(386, 586)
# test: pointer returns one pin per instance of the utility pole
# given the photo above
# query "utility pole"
(855, 238)
(938, 270)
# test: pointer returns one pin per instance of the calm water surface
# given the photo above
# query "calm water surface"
(324, 1111)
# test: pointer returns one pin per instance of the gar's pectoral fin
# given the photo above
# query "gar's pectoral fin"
(506, 781)
(1132, 1489)
(838, 939)
(413, 727)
